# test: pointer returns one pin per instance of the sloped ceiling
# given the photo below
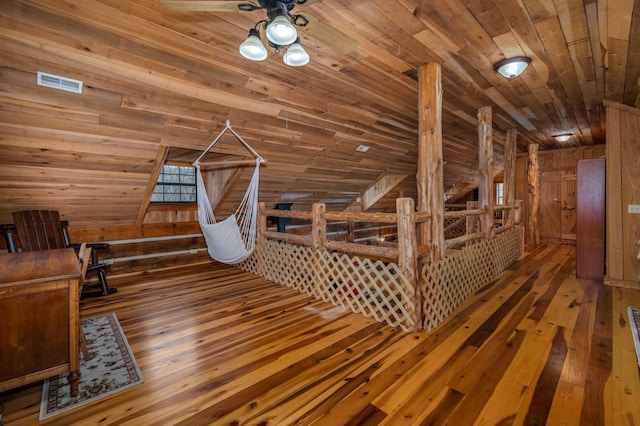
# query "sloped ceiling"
(158, 77)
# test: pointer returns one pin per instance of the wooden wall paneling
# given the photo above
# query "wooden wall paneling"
(619, 14)
(630, 172)
(615, 230)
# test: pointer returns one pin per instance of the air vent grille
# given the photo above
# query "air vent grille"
(61, 83)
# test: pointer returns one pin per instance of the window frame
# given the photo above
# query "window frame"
(178, 183)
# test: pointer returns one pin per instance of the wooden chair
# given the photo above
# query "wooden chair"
(84, 256)
(43, 230)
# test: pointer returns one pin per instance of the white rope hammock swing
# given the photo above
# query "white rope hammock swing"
(233, 239)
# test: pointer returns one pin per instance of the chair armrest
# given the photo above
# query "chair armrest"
(98, 246)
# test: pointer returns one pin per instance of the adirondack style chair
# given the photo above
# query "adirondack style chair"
(43, 230)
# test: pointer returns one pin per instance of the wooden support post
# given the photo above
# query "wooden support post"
(429, 177)
(485, 170)
(261, 238)
(408, 255)
(517, 212)
(471, 220)
(351, 231)
(262, 224)
(509, 175)
(533, 186)
(319, 226)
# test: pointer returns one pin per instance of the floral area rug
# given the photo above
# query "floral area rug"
(634, 320)
(111, 369)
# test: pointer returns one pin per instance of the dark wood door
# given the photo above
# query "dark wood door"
(590, 253)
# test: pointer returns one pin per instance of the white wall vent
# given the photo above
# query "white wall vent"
(362, 148)
(61, 83)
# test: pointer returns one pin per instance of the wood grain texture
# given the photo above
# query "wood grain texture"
(159, 76)
(219, 346)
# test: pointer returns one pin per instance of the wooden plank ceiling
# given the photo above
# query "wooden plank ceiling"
(155, 76)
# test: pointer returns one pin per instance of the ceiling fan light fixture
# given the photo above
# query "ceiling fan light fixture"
(512, 67)
(252, 48)
(281, 32)
(295, 55)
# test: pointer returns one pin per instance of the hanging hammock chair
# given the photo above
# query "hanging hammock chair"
(233, 239)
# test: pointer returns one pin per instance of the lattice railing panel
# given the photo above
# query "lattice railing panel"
(285, 264)
(375, 289)
(446, 284)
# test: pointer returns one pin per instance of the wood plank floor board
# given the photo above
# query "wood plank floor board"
(219, 346)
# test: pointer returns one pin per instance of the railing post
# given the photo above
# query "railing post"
(408, 255)
(318, 226)
(517, 212)
(261, 239)
(471, 221)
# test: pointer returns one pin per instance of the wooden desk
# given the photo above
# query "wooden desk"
(39, 310)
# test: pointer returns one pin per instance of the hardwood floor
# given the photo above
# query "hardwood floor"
(219, 346)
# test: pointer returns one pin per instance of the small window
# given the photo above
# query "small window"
(176, 184)
(499, 193)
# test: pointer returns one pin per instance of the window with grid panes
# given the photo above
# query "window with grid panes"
(176, 184)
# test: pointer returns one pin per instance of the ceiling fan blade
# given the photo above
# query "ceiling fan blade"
(205, 5)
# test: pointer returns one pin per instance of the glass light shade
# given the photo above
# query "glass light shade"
(295, 55)
(281, 32)
(563, 137)
(513, 67)
(252, 48)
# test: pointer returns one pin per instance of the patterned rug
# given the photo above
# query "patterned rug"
(111, 369)
(634, 320)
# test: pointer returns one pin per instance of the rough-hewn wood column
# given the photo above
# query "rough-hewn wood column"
(408, 255)
(533, 187)
(429, 176)
(319, 226)
(509, 175)
(485, 170)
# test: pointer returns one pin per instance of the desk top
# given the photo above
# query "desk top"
(37, 266)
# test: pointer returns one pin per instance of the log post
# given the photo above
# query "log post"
(351, 231)
(261, 238)
(429, 176)
(533, 186)
(318, 226)
(471, 221)
(509, 175)
(485, 169)
(408, 256)
(517, 213)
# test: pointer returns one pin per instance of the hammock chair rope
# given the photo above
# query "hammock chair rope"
(233, 239)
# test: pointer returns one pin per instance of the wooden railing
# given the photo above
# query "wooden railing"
(384, 282)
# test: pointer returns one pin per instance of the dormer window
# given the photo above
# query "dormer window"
(176, 184)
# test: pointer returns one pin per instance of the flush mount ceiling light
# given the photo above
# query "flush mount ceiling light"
(280, 31)
(563, 137)
(512, 67)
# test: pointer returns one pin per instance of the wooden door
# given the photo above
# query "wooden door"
(558, 207)
(590, 253)
(550, 203)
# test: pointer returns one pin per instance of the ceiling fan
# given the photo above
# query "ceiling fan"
(229, 5)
